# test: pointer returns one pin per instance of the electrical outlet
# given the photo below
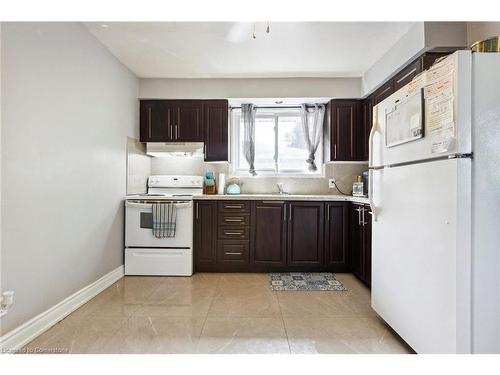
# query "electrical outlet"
(331, 183)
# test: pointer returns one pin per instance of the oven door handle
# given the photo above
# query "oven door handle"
(148, 205)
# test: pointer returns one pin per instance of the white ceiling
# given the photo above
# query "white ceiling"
(227, 49)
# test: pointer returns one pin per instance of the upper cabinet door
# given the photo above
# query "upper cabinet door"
(346, 136)
(154, 122)
(386, 90)
(407, 74)
(367, 122)
(215, 119)
(186, 119)
(305, 234)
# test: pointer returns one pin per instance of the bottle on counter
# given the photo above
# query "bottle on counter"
(358, 187)
(210, 186)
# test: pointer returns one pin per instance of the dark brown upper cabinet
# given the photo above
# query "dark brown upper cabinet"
(171, 121)
(215, 115)
(336, 236)
(186, 120)
(268, 233)
(154, 122)
(346, 137)
(383, 92)
(407, 74)
(305, 234)
(366, 125)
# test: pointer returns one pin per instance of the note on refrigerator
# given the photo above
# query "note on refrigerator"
(439, 113)
(443, 138)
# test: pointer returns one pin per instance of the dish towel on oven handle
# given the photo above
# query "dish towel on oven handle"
(164, 220)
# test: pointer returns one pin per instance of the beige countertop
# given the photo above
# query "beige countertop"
(283, 197)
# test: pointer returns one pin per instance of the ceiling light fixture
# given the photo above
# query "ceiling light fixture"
(254, 34)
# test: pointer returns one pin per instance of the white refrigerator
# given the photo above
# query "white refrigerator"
(434, 190)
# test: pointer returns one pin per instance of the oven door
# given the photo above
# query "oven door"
(139, 223)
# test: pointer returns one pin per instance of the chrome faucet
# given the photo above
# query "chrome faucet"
(281, 189)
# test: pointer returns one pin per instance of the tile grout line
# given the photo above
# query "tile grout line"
(283, 320)
(209, 307)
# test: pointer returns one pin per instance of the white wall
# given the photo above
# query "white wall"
(67, 108)
(250, 88)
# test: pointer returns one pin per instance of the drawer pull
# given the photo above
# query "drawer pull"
(233, 253)
(233, 206)
(235, 220)
(233, 233)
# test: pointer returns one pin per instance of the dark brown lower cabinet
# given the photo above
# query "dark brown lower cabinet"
(205, 233)
(336, 236)
(305, 234)
(268, 233)
(271, 236)
(360, 241)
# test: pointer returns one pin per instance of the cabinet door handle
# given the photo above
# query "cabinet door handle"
(327, 212)
(197, 210)
(149, 121)
(359, 215)
(171, 132)
(407, 75)
(233, 220)
(205, 151)
(284, 212)
(290, 213)
(335, 151)
(176, 131)
(363, 216)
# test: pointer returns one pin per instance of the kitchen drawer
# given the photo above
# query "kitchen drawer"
(232, 251)
(234, 206)
(227, 219)
(234, 233)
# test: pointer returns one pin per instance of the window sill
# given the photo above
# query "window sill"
(275, 175)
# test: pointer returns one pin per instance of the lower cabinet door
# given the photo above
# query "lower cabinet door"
(305, 234)
(336, 236)
(356, 241)
(268, 233)
(205, 232)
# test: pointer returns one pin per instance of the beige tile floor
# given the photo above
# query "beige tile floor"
(221, 313)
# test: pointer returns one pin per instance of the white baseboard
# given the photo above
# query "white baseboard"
(34, 327)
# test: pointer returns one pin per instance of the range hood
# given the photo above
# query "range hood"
(164, 149)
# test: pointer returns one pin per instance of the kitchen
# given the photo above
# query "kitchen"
(211, 206)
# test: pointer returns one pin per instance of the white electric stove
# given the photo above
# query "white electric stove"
(144, 253)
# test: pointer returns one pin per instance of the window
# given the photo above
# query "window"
(280, 147)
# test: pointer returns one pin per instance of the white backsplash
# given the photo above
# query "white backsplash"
(138, 166)
(344, 174)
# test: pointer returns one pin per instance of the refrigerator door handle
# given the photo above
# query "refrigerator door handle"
(370, 164)
(370, 195)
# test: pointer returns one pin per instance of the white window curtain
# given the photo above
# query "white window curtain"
(312, 138)
(248, 113)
